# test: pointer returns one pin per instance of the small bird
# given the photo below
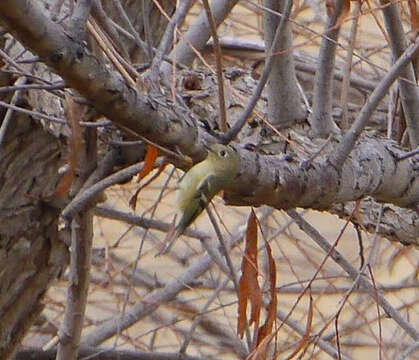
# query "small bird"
(201, 183)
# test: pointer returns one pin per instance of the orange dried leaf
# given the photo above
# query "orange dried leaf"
(266, 328)
(242, 307)
(265, 334)
(249, 289)
(150, 159)
(414, 15)
(331, 8)
(74, 113)
(64, 184)
(346, 8)
(133, 199)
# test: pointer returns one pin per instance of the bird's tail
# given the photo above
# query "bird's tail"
(174, 232)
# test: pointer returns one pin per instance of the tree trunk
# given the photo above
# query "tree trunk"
(31, 253)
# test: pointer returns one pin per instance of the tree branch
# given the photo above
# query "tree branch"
(321, 117)
(284, 101)
(108, 93)
(409, 93)
(198, 34)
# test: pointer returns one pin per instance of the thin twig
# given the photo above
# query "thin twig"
(81, 245)
(57, 86)
(167, 38)
(197, 320)
(39, 115)
(146, 223)
(348, 66)
(131, 28)
(408, 155)
(276, 45)
(147, 30)
(350, 137)
(78, 20)
(353, 273)
(410, 350)
(409, 94)
(222, 113)
(137, 258)
(6, 120)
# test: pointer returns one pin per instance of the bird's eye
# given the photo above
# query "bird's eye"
(222, 153)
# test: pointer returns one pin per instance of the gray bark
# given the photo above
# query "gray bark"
(31, 253)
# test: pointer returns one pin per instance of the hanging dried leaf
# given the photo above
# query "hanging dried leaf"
(414, 16)
(74, 113)
(249, 289)
(150, 159)
(134, 198)
(266, 328)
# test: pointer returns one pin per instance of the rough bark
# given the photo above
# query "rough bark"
(282, 182)
(31, 253)
(284, 100)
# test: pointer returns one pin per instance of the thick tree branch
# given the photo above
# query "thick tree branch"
(104, 354)
(198, 34)
(108, 93)
(31, 253)
(350, 137)
(371, 169)
(284, 101)
(321, 117)
(409, 93)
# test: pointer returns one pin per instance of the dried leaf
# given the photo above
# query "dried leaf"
(265, 334)
(249, 289)
(74, 113)
(150, 159)
(266, 328)
(414, 15)
(331, 7)
(134, 198)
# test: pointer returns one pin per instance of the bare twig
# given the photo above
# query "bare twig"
(150, 302)
(409, 93)
(410, 350)
(145, 9)
(57, 86)
(131, 28)
(167, 38)
(9, 113)
(86, 196)
(198, 34)
(106, 24)
(408, 155)
(284, 102)
(296, 326)
(353, 273)
(39, 115)
(138, 256)
(197, 320)
(143, 222)
(276, 46)
(222, 113)
(348, 65)
(78, 20)
(349, 139)
(321, 118)
(71, 327)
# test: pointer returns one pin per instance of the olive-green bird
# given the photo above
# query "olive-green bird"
(201, 183)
